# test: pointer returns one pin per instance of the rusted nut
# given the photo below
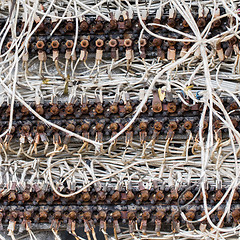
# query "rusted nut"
(144, 195)
(55, 44)
(40, 45)
(27, 215)
(69, 43)
(87, 215)
(130, 195)
(69, 26)
(145, 215)
(201, 22)
(158, 126)
(99, 127)
(188, 125)
(157, 42)
(113, 43)
(116, 196)
(54, 109)
(99, 43)
(85, 127)
(143, 42)
(236, 215)
(43, 215)
(159, 195)
(235, 196)
(160, 215)
(40, 128)
(190, 215)
(72, 215)
(218, 195)
(171, 107)
(12, 196)
(84, 25)
(188, 196)
(156, 21)
(86, 197)
(99, 108)
(69, 109)
(39, 109)
(185, 24)
(8, 45)
(131, 215)
(26, 196)
(113, 127)
(102, 215)
(128, 42)
(171, 22)
(143, 126)
(116, 215)
(173, 125)
(174, 194)
(84, 43)
(26, 128)
(71, 127)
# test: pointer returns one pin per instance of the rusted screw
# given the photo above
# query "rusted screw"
(26, 196)
(72, 215)
(145, 215)
(43, 215)
(188, 196)
(131, 215)
(87, 215)
(113, 127)
(201, 22)
(39, 109)
(12, 196)
(190, 215)
(84, 26)
(27, 215)
(102, 215)
(143, 126)
(116, 196)
(144, 195)
(71, 127)
(113, 108)
(99, 127)
(158, 126)
(159, 195)
(86, 197)
(188, 125)
(85, 127)
(69, 109)
(54, 109)
(69, 26)
(116, 215)
(171, 107)
(174, 194)
(173, 125)
(157, 42)
(130, 196)
(99, 108)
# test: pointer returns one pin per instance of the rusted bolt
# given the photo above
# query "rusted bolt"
(69, 109)
(116, 196)
(113, 43)
(159, 195)
(84, 26)
(40, 44)
(188, 196)
(113, 127)
(99, 127)
(71, 127)
(54, 109)
(157, 42)
(99, 43)
(69, 43)
(27, 215)
(72, 215)
(201, 22)
(12, 196)
(174, 194)
(158, 126)
(86, 197)
(84, 43)
(219, 195)
(190, 215)
(87, 216)
(99, 108)
(188, 125)
(55, 44)
(157, 107)
(26, 196)
(116, 215)
(143, 42)
(130, 195)
(173, 125)
(128, 42)
(85, 127)
(131, 215)
(8, 45)
(171, 107)
(69, 26)
(143, 126)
